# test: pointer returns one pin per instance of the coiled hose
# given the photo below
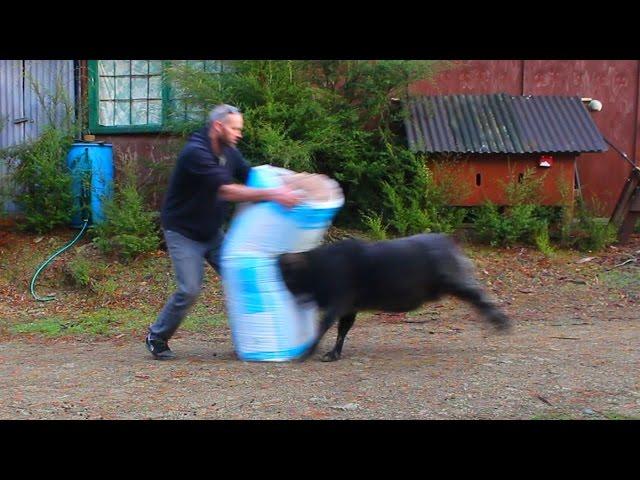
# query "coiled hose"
(49, 260)
(84, 198)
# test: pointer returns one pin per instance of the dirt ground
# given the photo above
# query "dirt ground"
(574, 354)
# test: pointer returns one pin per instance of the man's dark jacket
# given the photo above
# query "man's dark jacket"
(191, 206)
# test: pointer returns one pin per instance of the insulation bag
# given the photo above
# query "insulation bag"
(267, 323)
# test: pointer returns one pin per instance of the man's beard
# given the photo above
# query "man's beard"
(223, 142)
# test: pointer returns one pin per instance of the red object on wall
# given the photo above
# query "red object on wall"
(545, 161)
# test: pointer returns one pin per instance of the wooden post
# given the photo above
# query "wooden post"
(627, 210)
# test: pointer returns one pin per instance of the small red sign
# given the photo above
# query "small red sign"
(546, 161)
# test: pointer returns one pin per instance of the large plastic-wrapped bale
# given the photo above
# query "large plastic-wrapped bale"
(267, 323)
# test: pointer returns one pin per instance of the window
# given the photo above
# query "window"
(135, 96)
(179, 106)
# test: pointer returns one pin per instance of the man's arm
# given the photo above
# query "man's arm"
(233, 192)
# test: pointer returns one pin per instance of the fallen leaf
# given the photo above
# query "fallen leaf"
(585, 260)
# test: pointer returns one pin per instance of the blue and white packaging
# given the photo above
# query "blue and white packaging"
(267, 323)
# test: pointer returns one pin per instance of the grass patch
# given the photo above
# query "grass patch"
(622, 279)
(106, 287)
(50, 327)
(101, 322)
(198, 323)
(542, 241)
(619, 416)
(109, 322)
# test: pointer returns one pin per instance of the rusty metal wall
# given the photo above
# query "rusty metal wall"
(154, 156)
(474, 77)
(614, 82)
(482, 177)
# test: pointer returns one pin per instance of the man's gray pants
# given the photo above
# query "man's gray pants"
(187, 257)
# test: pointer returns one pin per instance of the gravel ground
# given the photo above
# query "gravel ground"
(574, 354)
(393, 367)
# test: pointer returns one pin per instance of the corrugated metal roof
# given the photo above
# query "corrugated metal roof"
(501, 123)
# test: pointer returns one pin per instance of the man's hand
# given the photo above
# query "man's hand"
(285, 196)
(240, 193)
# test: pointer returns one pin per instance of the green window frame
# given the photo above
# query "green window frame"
(134, 96)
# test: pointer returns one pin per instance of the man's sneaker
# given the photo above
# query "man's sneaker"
(159, 349)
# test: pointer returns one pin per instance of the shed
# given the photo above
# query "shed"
(484, 140)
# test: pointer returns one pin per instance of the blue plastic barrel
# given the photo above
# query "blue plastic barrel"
(91, 166)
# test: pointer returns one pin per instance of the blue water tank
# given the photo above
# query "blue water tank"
(91, 166)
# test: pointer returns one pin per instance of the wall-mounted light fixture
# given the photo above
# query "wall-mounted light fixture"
(593, 104)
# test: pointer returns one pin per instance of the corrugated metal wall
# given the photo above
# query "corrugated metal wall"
(11, 103)
(49, 94)
(33, 94)
(11, 108)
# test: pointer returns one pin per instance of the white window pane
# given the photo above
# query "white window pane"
(139, 112)
(155, 111)
(176, 91)
(123, 88)
(177, 109)
(122, 113)
(213, 66)
(106, 113)
(139, 87)
(123, 67)
(195, 114)
(106, 67)
(107, 88)
(197, 64)
(155, 87)
(139, 67)
(155, 66)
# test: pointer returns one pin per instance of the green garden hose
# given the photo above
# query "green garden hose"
(43, 266)
(84, 198)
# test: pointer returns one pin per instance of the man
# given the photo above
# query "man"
(194, 210)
